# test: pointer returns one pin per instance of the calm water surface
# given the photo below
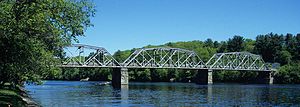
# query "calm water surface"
(76, 93)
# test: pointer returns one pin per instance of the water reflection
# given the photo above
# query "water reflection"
(124, 94)
(209, 94)
(62, 93)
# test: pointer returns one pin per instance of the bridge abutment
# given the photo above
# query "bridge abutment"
(264, 77)
(204, 76)
(119, 77)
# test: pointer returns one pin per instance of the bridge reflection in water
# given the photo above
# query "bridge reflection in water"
(79, 55)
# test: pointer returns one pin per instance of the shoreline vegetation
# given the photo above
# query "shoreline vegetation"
(278, 49)
(275, 48)
(15, 96)
(34, 32)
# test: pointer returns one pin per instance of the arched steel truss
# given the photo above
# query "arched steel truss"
(162, 57)
(237, 61)
(80, 55)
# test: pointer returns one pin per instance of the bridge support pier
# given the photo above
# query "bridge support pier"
(204, 76)
(119, 77)
(265, 77)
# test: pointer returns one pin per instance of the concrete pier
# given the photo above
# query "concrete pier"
(264, 77)
(119, 77)
(204, 76)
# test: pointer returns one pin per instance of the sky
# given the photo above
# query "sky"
(127, 24)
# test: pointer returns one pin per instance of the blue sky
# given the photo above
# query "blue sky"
(127, 24)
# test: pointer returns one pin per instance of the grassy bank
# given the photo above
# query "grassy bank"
(14, 97)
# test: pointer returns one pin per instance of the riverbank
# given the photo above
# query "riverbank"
(15, 97)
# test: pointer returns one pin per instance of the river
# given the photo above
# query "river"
(76, 93)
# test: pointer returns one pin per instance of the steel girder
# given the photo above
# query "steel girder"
(161, 57)
(237, 61)
(79, 55)
(164, 58)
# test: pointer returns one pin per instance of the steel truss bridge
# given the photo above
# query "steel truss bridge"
(79, 55)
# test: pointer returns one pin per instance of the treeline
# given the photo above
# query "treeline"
(280, 49)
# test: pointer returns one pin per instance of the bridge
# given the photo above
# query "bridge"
(79, 55)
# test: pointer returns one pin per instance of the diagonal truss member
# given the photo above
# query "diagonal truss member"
(163, 58)
(237, 61)
(79, 55)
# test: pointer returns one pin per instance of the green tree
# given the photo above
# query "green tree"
(121, 56)
(288, 74)
(32, 32)
(249, 45)
(143, 75)
(173, 73)
(284, 57)
(209, 43)
(223, 47)
(185, 75)
(291, 44)
(216, 44)
(236, 44)
(297, 55)
(269, 46)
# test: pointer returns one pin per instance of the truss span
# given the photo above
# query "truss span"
(79, 55)
(237, 61)
(162, 57)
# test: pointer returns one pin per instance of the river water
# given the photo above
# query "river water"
(91, 94)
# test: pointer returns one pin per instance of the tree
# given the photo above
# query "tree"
(284, 57)
(223, 47)
(172, 74)
(288, 74)
(142, 75)
(236, 44)
(249, 45)
(269, 46)
(276, 47)
(297, 55)
(32, 32)
(209, 43)
(121, 56)
(216, 44)
(291, 44)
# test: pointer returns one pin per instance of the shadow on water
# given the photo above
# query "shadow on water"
(66, 93)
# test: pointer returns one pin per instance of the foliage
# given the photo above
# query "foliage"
(269, 46)
(289, 73)
(32, 32)
(236, 44)
(140, 75)
(273, 48)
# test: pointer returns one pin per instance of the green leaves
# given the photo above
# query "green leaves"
(33, 32)
(236, 44)
(273, 48)
(288, 74)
